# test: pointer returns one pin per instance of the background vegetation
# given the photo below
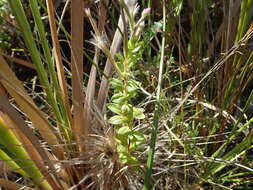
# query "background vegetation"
(126, 94)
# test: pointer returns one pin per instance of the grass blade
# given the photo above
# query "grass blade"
(19, 13)
(115, 46)
(16, 89)
(11, 185)
(156, 112)
(16, 152)
(80, 126)
(65, 108)
(232, 154)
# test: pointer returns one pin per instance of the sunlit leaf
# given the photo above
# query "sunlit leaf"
(117, 120)
(138, 113)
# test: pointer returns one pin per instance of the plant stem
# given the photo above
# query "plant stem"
(157, 112)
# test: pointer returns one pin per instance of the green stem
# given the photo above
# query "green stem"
(157, 112)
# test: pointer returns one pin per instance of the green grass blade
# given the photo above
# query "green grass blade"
(18, 11)
(45, 45)
(14, 149)
(234, 131)
(156, 113)
(246, 13)
(11, 163)
(232, 154)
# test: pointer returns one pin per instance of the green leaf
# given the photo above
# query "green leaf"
(133, 146)
(18, 155)
(122, 141)
(136, 138)
(25, 28)
(127, 109)
(120, 65)
(123, 136)
(134, 84)
(178, 5)
(131, 94)
(11, 163)
(117, 120)
(136, 49)
(122, 148)
(138, 113)
(118, 98)
(133, 87)
(115, 108)
(139, 137)
(124, 131)
(117, 84)
(125, 157)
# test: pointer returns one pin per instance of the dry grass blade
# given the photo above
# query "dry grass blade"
(29, 140)
(234, 11)
(58, 57)
(224, 113)
(102, 14)
(14, 186)
(19, 61)
(115, 46)
(232, 51)
(15, 88)
(29, 147)
(79, 125)
(90, 93)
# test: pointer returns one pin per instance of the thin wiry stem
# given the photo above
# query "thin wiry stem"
(157, 111)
